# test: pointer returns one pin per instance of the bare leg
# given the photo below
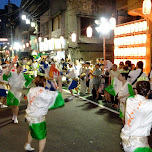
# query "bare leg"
(27, 146)
(29, 138)
(16, 110)
(42, 145)
(76, 90)
(71, 92)
(97, 93)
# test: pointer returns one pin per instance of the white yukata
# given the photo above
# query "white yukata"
(16, 82)
(39, 101)
(125, 89)
(138, 123)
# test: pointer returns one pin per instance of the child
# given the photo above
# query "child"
(138, 120)
(39, 101)
(125, 91)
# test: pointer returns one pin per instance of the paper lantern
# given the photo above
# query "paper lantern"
(112, 22)
(146, 7)
(73, 37)
(89, 32)
(144, 24)
(27, 44)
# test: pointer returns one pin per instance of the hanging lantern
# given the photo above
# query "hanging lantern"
(146, 7)
(73, 37)
(27, 44)
(40, 39)
(62, 40)
(112, 23)
(89, 32)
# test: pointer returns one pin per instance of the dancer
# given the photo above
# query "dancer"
(72, 76)
(39, 101)
(138, 120)
(126, 90)
(17, 81)
(52, 74)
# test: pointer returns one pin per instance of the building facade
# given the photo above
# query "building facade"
(65, 17)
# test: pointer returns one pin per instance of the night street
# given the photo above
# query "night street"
(79, 126)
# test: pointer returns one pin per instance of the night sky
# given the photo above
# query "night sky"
(5, 2)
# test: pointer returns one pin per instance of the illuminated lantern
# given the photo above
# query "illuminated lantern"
(146, 7)
(132, 26)
(27, 44)
(45, 39)
(112, 23)
(24, 46)
(40, 39)
(23, 17)
(30, 42)
(144, 24)
(73, 37)
(32, 24)
(89, 32)
(62, 40)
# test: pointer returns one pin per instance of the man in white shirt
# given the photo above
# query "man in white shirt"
(135, 74)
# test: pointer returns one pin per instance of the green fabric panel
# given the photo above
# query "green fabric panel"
(12, 100)
(143, 149)
(5, 77)
(120, 114)
(59, 102)
(131, 91)
(28, 80)
(38, 131)
(110, 90)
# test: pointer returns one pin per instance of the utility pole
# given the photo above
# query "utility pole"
(11, 26)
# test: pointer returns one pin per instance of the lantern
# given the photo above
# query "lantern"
(23, 17)
(32, 24)
(112, 23)
(73, 37)
(24, 46)
(45, 39)
(28, 21)
(146, 7)
(62, 40)
(89, 32)
(40, 39)
(27, 44)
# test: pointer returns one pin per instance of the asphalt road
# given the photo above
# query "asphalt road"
(77, 127)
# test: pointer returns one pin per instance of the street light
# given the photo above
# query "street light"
(104, 27)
